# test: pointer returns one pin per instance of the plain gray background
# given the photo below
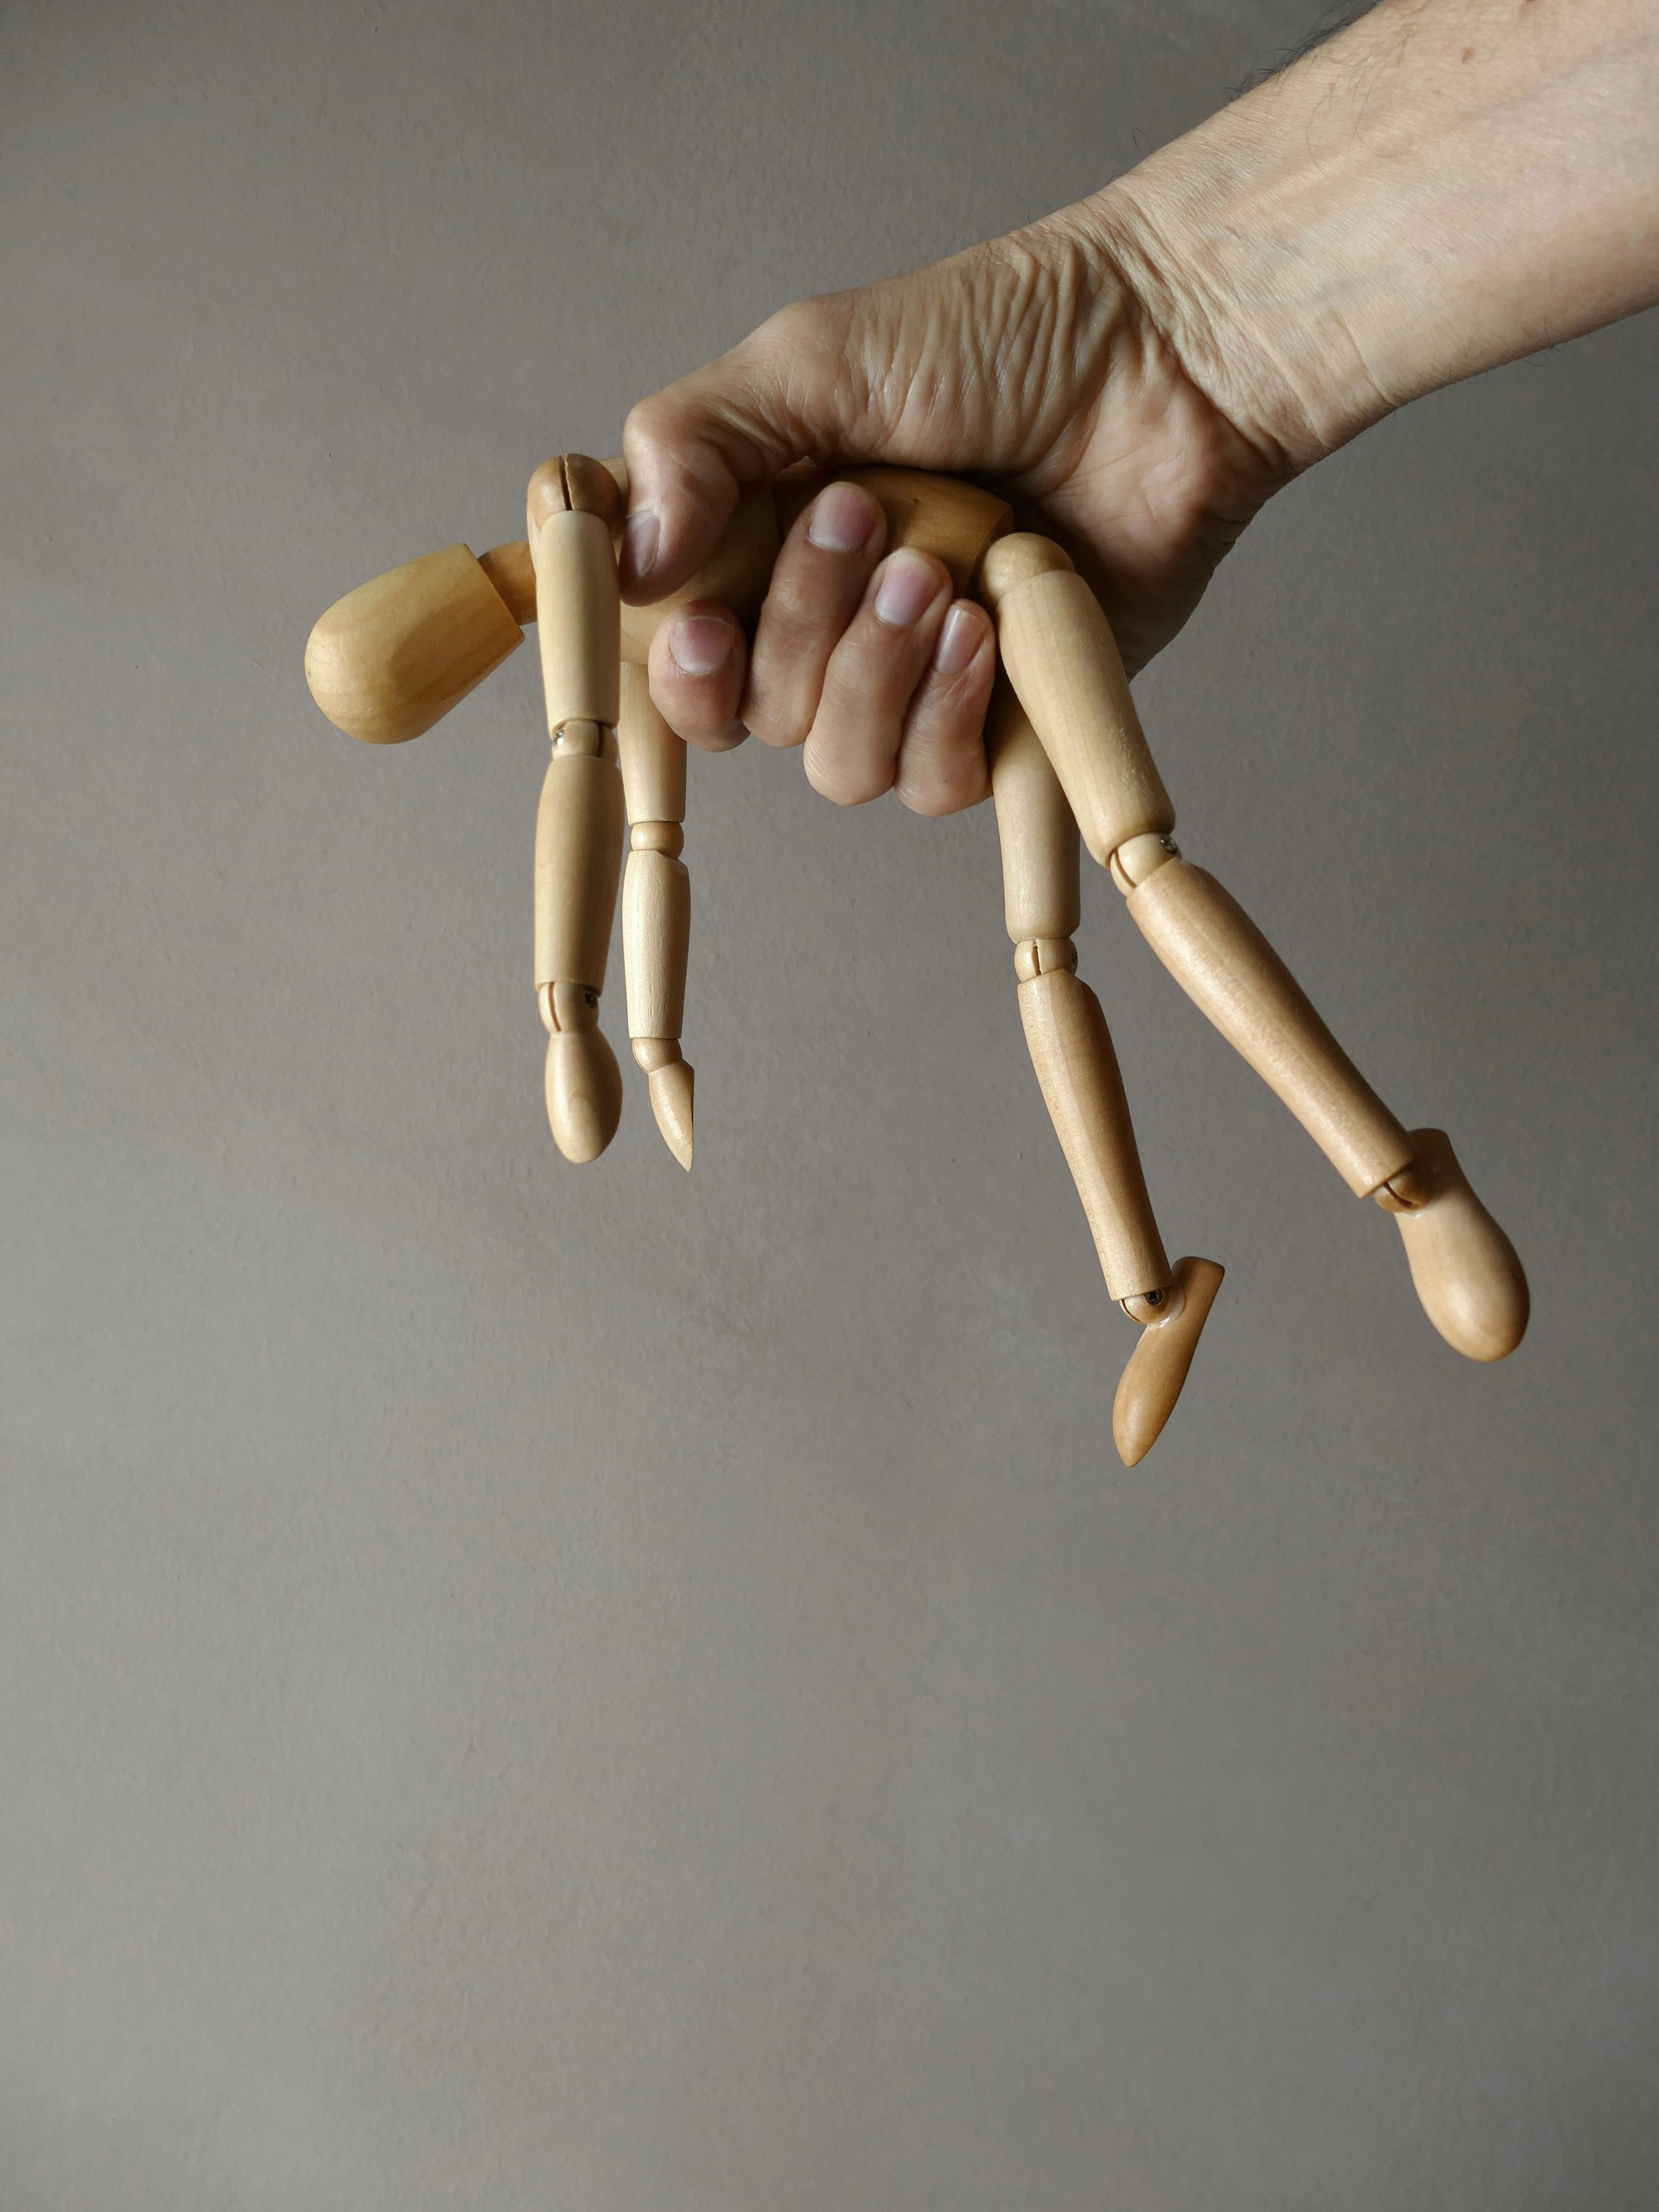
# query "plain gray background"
(605, 1689)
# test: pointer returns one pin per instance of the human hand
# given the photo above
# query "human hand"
(1031, 362)
(1448, 184)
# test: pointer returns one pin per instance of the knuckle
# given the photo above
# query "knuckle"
(805, 359)
(852, 696)
(774, 721)
(945, 785)
(798, 612)
(843, 783)
(780, 702)
(652, 419)
(878, 664)
(793, 647)
(855, 736)
(801, 328)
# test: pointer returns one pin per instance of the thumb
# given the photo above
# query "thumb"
(789, 392)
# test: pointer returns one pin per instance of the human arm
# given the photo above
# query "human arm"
(1446, 186)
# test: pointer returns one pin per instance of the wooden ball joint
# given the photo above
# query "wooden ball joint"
(1069, 762)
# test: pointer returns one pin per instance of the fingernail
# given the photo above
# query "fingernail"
(700, 643)
(906, 590)
(640, 543)
(840, 518)
(958, 641)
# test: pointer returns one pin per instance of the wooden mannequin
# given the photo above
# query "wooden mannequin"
(1067, 756)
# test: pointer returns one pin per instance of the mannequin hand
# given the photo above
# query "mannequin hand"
(1030, 361)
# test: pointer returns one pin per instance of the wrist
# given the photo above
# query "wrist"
(1445, 187)
(1208, 238)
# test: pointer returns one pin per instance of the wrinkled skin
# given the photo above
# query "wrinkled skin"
(1445, 186)
(1035, 363)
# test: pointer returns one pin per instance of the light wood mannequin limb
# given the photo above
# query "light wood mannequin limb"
(1063, 661)
(1065, 1032)
(583, 1081)
(1071, 1049)
(1041, 893)
(656, 907)
(1467, 1274)
(1159, 1365)
(1465, 1269)
(578, 824)
(1060, 658)
(1231, 972)
(579, 834)
(578, 604)
(654, 758)
(591, 487)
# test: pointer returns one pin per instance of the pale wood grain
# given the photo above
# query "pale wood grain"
(583, 1081)
(653, 755)
(656, 939)
(1231, 972)
(1071, 1049)
(1040, 896)
(1465, 1272)
(1065, 1032)
(1062, 660)
(511, 570)
(578, 845)
(392, 657)
(1158, 1368)
(577, 618)
(656, 908)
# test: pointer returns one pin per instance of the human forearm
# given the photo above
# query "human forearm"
(1449, 185)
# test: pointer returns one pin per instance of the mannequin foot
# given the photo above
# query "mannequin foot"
(1465, 1269)
(671, 1102)
(584, 1092)
(1158, 1366)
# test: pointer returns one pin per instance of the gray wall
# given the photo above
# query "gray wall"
(606, 1689)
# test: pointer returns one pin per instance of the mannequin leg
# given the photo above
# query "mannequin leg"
(1071, 1049)
(656, 905)
(578, 824)
(1063, 662)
